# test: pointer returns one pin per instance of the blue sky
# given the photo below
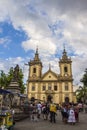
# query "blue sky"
(11, 39)
(26, 24)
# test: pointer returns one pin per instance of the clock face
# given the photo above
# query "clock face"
(33, 75)
(65, 74)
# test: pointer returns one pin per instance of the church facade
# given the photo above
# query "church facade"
(50, 85)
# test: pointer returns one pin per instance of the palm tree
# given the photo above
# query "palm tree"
(81, 93)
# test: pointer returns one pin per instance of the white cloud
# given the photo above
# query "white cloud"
(45, 45)
(6, 64)
(10, 62)
(79, 66)
(5, 41)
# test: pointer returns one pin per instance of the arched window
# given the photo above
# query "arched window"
(34, 70)
(55, 87)
(49, 87)
(65, 69)
(43, 88)
(33, 88)
(66, 88)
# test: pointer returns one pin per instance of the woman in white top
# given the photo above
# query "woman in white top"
(71, 118)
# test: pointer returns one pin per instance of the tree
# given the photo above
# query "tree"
(19, 77)
(84, 78)
(81, 92)
(20, 81)
(3, 79)
(6, 79)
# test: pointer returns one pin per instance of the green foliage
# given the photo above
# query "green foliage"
(3, 79)
(81, 93)
(84, 78)
(6, 79)
(20, 81)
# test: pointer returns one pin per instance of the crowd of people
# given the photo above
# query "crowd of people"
(48, 111)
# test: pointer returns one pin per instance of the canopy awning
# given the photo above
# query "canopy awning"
(22, 95)
(3, 91)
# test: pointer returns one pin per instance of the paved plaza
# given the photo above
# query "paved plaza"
(27, 124)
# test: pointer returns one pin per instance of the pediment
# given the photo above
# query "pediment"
(49, 75)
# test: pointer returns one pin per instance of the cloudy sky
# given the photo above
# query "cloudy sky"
(48, 24)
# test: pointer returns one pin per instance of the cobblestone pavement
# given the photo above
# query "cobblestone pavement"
(46, 125)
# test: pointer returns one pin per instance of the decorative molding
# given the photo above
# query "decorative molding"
(49, 92)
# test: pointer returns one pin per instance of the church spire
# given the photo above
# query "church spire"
(36, 58)
(64, 56)
(64, 50)
(37, 50)
(49, 66)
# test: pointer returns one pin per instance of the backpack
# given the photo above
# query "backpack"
(53, 108)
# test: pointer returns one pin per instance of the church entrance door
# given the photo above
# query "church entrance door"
(49, 98)
(66, 99)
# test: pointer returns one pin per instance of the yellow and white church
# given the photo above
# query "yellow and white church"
(50, 85)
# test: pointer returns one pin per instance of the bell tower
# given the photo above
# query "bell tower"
(35, 67)
(65, 65)
(66, 78)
